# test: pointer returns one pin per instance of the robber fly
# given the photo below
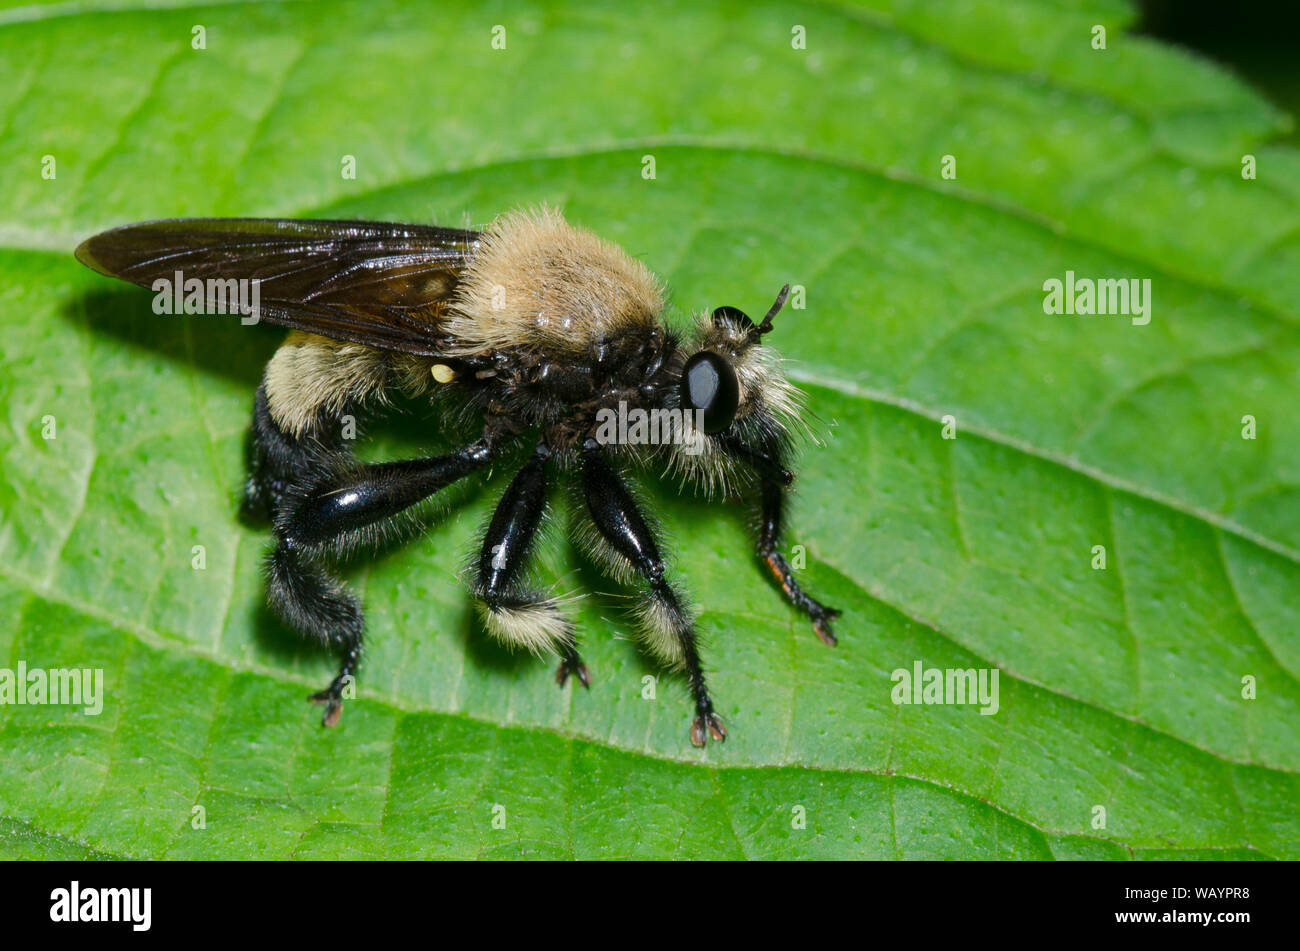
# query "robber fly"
(533, 329)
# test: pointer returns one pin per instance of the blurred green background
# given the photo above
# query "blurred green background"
(1256, 39)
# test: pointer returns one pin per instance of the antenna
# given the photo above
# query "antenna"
(766, 326)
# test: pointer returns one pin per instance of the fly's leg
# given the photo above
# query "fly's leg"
(331, 516)
(667, 625)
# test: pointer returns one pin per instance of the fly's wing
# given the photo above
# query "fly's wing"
(372, 283)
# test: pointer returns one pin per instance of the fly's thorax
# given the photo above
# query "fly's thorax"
(537, 281)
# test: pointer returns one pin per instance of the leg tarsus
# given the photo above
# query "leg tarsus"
(820, 614)
(821, 625)
(571, 665)
(713, 725)
(332, 696)
(333, 706)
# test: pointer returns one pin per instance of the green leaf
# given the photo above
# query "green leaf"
(1120, 688)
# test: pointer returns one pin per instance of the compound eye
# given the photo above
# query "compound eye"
(709, 384)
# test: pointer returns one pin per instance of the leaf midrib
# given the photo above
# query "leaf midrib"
(1071, 463)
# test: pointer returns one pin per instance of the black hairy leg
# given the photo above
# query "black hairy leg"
(332, 515)
(766, 463)
(319, 606)
(768, 539)
(278, 460)
(514, 613)
(621, 524)
(765, 459)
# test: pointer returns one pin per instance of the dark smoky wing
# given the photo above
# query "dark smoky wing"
(373, 283)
